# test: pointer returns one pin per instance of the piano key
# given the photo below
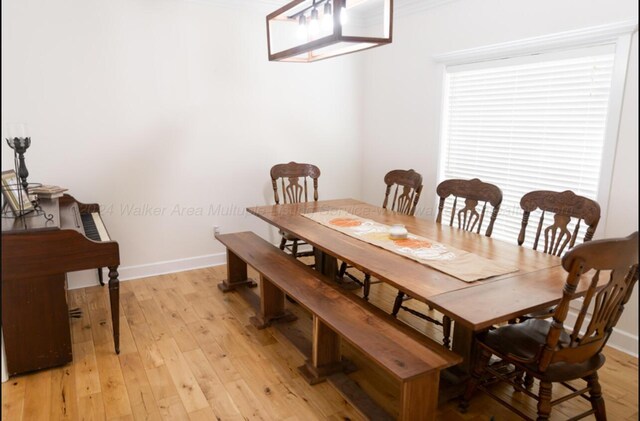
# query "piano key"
(102, 231)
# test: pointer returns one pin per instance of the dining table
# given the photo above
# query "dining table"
(535, 284)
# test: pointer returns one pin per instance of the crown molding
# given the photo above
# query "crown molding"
(600, 34)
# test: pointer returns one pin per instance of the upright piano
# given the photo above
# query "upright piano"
(36, 255)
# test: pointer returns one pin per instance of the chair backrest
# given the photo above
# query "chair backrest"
(406, 201)
(564, 206)
(603, 304)
(473, 191)
(289, 176)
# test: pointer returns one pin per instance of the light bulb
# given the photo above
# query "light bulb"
(302, 27)
(344, 19)
(327, 9)
(314, 24)
(327, 18)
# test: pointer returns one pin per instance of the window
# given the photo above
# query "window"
(528, 123)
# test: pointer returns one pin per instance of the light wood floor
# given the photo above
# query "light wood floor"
(188, 352)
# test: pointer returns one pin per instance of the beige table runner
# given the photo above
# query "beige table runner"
(463, 265)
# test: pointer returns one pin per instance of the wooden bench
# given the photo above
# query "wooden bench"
(415, 363)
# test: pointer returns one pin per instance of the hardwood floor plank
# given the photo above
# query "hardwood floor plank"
(147, 348)
(161, 383)
(127, 343)
(250, 407)
(184, 380)
(114, 391)
(155, 319)
(91, 408)
(37, 396)
(143, 403)
(221, 362)
(13, 398)
(205, 374)
(64, 402)
(222, 405)
(132, 311)
(172, 409)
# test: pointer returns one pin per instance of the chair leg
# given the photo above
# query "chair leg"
(342, 270)
(528, 381)
(518, 379)
(476, 375)
(397, 303)
(283, 242)
(446, 331)
(544, 401)
(366, 286)
(294, 249)
(595, 396)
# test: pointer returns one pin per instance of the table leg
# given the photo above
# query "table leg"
(419, 397)
(114, 298)
(463, 346)
(325, 356)
(236, 274)
(328, 266)
(272, 306)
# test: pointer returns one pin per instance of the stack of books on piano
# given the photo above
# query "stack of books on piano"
(47, 191)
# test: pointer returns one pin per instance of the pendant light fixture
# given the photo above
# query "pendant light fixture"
(298, 32)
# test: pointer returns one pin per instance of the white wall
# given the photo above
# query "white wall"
(165, 103)
(402, 98)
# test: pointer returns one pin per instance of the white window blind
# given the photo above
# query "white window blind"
(532, 123)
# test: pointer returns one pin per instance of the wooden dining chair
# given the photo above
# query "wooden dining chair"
(401, 195)
(474, 192)
(564, 206)
(557, 351)
(291, 183)
(406, 186)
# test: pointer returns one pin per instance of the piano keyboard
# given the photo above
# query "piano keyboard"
(93, 227)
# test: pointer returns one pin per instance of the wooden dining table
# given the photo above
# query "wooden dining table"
(473, 306)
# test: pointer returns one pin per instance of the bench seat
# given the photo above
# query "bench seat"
(414, 361)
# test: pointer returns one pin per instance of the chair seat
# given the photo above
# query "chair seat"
(540, 314)
(525, 339)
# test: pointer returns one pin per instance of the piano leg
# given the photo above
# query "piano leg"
(100, 277)
(114, 297)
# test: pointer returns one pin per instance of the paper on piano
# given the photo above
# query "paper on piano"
(48, 191)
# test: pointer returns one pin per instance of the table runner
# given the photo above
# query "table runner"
(467, 267)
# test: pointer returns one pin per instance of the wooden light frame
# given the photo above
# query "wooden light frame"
(360, 43)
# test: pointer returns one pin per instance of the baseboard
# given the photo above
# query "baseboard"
(87, 278)
(624, 341)
(620, 340)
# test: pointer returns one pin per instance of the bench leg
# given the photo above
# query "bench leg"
(419, 397)
(325, 356)
(463, 346)
(271, 306)
(236, 274)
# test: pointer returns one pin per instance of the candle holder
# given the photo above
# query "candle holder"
(15, 186)
(20, 146)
